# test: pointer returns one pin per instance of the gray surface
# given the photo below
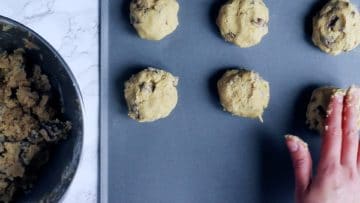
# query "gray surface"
(200, 153)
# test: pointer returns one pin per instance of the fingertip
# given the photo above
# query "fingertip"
(302, 162)
(351, 109)
(294, 143)
(353, 96)
(337, 99)
(335, 106)
(334, 113)
(350, 127)
(354, 89)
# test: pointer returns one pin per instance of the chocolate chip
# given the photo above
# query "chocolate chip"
(34, 137)
(259, 22)
(2, 148)
(316, 123)
(230, 36)
(139, 5)
(54, 130)
(332, 22)
(134, 109)
(134, 20)
(327, 41)
(25, 161)
(321, 111)
(13, 93)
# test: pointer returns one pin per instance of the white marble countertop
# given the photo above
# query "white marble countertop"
(71, 26)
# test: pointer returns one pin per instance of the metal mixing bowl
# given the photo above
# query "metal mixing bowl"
(57, 174)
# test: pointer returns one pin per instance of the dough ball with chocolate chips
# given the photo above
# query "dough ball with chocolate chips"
(318, 105)
(317, 109)
(154, 19)
(243, 22)
(151, 94)
(244, 93)
(336, 28)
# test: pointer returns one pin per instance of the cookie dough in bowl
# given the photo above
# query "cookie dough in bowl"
(151, 94)
(154, 19)
(243, 22)
(41, 118)
(336, 28)
(29, 124)
(244, 93)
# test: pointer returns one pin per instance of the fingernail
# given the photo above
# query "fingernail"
(293, 146)
(338, 95)
(295, 143)
(291, 143)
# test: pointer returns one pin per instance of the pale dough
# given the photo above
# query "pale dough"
(336, 28)
(151, 94)
(244, 93)
(243, 22)
(154, 19)
(318, 106)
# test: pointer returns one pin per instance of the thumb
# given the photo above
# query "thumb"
(302, 163)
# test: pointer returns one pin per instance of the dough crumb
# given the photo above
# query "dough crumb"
(28, 123)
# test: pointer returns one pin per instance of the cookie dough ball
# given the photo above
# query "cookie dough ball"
(318, 105)
(243, 22)
(151, 94)
(336, 28)
(154, 19)
(244, 93)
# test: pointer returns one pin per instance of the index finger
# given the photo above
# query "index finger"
(350, 125)
(332, 138)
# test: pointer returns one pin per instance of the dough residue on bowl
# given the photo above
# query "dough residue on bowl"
(29, 123)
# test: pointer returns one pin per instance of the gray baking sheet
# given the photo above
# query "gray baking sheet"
(200, 154)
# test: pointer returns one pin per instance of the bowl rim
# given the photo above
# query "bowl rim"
(75, 84)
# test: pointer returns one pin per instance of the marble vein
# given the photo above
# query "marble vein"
(72, 28)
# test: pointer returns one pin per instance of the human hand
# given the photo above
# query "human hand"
(338, 173)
